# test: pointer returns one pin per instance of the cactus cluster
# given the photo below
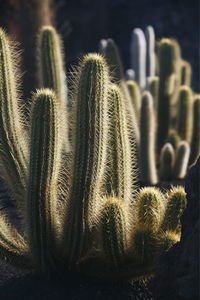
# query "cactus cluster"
(80, 205)
(167, 109)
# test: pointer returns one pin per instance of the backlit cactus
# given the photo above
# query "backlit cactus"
(84, 212)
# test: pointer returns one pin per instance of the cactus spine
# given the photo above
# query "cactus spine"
(138, 56)
(150, 58)
(148, 173)
(45, 155)
(90, 144)
(13, 138)
(185, 113)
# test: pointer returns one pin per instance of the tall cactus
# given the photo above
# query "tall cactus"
(51, 71)
(169, 59)
(148, 172)
(90, 152)
(186, 73)
(185, 123)
(45, 157)
(13, 138)
(135, 95)
(138, 56)
(151, 57)
(122, 149)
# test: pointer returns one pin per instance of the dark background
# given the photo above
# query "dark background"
(84, 22)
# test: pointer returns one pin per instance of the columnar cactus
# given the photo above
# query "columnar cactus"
(151, 57)
(195, 144)
(167, 159)
(147, 159)
(13, 138)
(138, 56)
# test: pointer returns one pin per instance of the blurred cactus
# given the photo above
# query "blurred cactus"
(151, 57)
(167, 159)
(138, 56)
(186, 73)
(182, 159)
(135, 95)
(147, 158)
(130, 74)
(195, 144)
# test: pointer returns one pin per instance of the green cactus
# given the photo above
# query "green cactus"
(90, 144)
(195, 143)
(173, 138)
(169, 64)
(176, 204)
(186, 73)
(182, 159)
(70, 218)
(184, 122)
(13, 138)
(42, 194)
(51, 71)
(167, 159)
(114, 231)
(153, 88)
(135, 95)
(147, 159)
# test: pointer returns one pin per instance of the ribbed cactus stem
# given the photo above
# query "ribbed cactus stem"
(150, 209)
(122, 155)
(185, 115)
(169, 61)
(114, 232)
(151, 57)
(138, 56)
(130, 74)
(175, 206)
(13, 138)
(182, 159)
(148, 172)
(135, 95)
(51, 72)
(90, 152)
(167, 159)
(186, 73)
(45, 156)
(195, 143)
(153, 88)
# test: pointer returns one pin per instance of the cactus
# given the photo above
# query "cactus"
(182, 159)
(51, 71)
(186, 73)
(195, 143)
(167, 159)
(148, 172)
(82, 224)
(90, 152)
(135, 95)
(153, 88)
(138, 56)
(45, 158)
(184, 122)
(13, 138)
(168, 58)
(114, 232)
(175, 206)
(173, 138)
(150, 58)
